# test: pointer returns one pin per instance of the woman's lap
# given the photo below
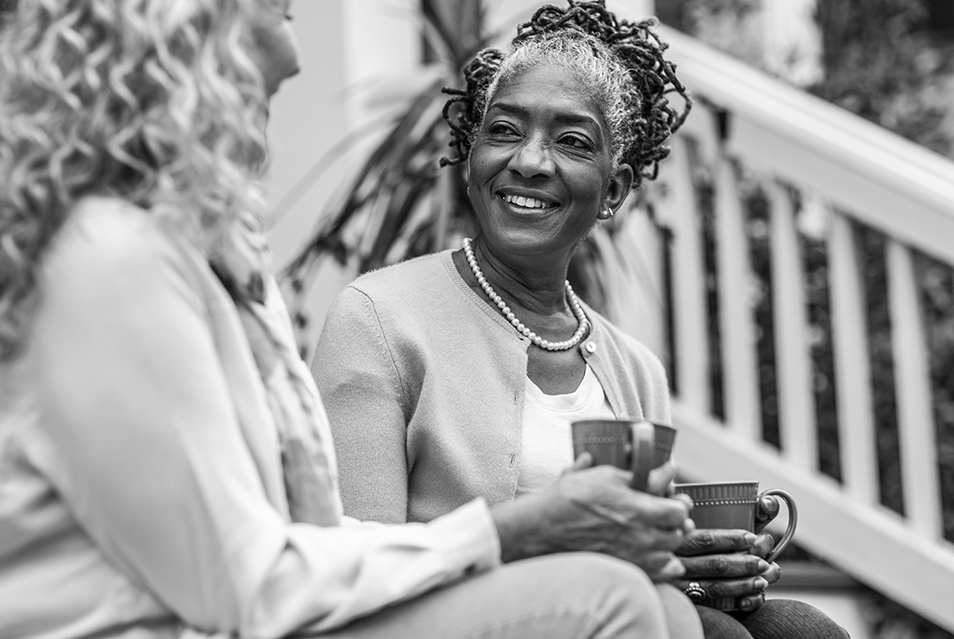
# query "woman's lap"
(573, 595)
(775, 619)
(790, 619)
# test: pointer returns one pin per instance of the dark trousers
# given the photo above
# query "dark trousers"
(775, 619)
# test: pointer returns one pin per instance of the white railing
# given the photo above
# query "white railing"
(807, 151)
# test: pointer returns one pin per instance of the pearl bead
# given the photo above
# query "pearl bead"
(575, 304)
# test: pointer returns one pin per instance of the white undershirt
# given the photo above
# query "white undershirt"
(547, 447)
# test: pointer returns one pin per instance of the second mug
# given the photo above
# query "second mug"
(734, 504)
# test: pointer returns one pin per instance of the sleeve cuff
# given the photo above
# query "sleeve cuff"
(468, 537)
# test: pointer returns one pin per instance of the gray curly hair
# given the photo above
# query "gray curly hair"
(622, 63)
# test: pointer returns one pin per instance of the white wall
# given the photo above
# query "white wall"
(307, 117)
(351, 50)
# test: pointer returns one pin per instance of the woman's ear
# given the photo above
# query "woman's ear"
(619, 187)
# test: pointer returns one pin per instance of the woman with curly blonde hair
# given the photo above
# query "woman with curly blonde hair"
(81, 118)
(166, 466)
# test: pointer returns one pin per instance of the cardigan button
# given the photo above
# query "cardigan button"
(590, 347)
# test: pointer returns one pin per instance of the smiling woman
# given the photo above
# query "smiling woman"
(457, 375)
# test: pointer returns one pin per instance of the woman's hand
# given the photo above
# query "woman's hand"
(729, 563)
(661, 479)
(593, 509)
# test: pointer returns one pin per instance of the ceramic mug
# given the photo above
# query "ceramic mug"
(734, 505)
(639, 446)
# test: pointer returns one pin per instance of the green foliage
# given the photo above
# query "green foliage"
(881, 64)
(7, 7)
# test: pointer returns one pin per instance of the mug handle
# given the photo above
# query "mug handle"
(792, 521)
(644, 447)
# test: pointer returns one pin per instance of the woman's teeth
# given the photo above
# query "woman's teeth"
(525, 202)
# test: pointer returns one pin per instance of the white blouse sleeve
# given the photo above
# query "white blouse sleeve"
(140, 437)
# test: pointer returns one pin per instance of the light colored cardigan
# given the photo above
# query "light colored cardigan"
(424, 382)
(141, 488)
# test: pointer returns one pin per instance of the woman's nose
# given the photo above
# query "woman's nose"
(532, 159)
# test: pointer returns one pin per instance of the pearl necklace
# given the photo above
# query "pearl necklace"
(584, 324)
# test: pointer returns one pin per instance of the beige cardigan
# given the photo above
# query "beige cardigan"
(424, 385)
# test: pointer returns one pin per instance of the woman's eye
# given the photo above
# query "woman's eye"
(501, 128)
(576, 142)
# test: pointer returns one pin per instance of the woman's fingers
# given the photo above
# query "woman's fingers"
(763, 545)
(672, 569)
(773, 574)
(751, 603)
(585, 460)
(711, 541)
(718, 588)
(725, 566)
(661, 479)
(749, 592)
(658, 564)
(669, 538)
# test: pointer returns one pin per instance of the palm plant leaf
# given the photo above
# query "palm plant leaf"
(389, 212)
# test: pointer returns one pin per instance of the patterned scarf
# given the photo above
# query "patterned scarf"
(306, 446)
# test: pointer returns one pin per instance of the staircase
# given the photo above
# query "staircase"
(819, 171)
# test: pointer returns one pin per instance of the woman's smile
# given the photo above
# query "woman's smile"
(520, 202)
(527, 206)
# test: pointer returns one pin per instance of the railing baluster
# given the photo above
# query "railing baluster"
(640, 245)
(796, 401)
(869, 175)
(740, 364)
(852, 366)
(689, 312)
(919, 469)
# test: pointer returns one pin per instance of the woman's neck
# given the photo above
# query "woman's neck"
(534, 285)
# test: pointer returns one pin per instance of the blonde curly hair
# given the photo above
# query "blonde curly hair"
(153, 101)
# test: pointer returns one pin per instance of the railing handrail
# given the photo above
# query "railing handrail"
(811, 157)
(810, 126)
